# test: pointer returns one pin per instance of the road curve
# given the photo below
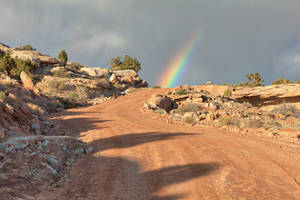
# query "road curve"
(139, 158)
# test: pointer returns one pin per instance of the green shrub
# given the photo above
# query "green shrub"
(22, 65)
(280, 81)
(228, 92)
(63, 57)
(2, 95)
(254, 80)
(187, 108)
(7, 63)
(127, 63)
(14, 66)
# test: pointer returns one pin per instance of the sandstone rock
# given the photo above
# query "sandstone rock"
(96, 72)
(163, 102)
(269, 95)
(128, 77)
(36, 57)
(27, 82)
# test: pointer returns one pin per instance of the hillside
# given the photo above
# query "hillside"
(77, 132)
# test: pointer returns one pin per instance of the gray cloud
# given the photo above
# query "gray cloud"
(239, 36)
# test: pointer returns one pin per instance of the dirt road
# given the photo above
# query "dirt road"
(139, 158)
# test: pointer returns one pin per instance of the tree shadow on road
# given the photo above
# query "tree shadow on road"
(102, 177)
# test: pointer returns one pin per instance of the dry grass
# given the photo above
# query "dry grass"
(230, 121)
(272, 124)
(228, 92)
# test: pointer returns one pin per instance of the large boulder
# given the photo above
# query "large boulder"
(128, 77)
(162, 102)
(96, 72)
(27, 82)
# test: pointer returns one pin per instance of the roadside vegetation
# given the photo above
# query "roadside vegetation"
(127, 63)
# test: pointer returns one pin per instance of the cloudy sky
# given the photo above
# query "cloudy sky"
(237, 36)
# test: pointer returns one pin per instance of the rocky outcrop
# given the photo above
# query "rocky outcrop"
(202, 108)
(127, 77)
(269, 96)
(36, 57)
(96, 72)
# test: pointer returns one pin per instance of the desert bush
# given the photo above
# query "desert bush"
(7, 63)
(254, 80)
(27, 48)
(230, 121)
(127, 63)
(180, 92)
(22, 65)
(287, 110)
(62, 73)
(187, 108)
(280, 81)
(63, 57)
(228, 92)
(58, 85)
(14, 66)
(298, 82)
(2, 95)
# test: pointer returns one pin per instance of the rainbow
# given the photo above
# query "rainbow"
(179, 64)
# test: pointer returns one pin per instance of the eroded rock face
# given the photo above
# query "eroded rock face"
(269, 95)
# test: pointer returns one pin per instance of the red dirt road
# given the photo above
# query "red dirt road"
(139, 158)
